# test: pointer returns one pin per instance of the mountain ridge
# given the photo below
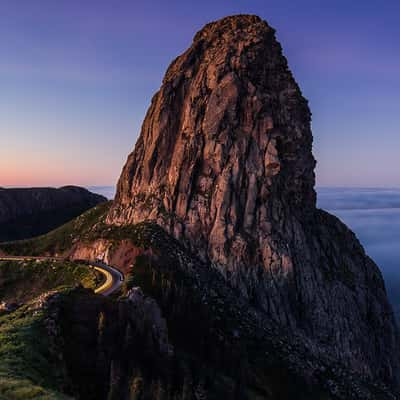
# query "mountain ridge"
(27, 212)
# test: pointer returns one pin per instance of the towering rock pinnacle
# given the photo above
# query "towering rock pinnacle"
(224, 164)
(225, 148)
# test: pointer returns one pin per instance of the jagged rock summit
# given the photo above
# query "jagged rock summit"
(225, 148)
(224, 163)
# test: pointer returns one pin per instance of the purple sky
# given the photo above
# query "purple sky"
(77, 77)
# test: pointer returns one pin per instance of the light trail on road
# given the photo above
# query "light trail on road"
(114, 278)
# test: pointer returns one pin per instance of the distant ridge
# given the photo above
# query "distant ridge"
(28, 212)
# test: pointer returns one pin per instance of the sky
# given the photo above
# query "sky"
(76, 78)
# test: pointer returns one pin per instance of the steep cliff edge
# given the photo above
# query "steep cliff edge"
(224, 164)
(25, 213)
(189, 337)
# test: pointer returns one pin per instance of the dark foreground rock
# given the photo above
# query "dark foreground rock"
(186, 334)
(25, 213)
(178, 332)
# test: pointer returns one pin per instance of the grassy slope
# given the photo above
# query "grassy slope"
(27, 369)
(21, 281)
(91, 226)
(62, 238)
(28, 226)
(85, 229)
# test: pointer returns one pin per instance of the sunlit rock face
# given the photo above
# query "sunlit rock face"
(224, 163)
(225, 150)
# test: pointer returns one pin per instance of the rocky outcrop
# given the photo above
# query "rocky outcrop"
(121, 254)
(185, 334)
(224, 164)
(106, 345)
(25, 213)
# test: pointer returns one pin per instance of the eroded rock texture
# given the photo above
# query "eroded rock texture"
(224, 164)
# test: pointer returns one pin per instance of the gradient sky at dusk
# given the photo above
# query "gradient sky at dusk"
(76, 78)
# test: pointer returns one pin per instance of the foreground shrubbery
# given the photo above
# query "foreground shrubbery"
(27, 369)
(21, 281)
(62, 238)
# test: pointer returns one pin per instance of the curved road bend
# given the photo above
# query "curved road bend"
(113, 277)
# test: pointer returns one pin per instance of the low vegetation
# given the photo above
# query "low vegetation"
(63, 238)
(86, 228)
(28, 370)
(21, 281)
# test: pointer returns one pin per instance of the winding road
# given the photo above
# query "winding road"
(113, 277)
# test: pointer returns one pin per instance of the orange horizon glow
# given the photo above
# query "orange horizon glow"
(28, 175)
(21, 167)
(72, 102)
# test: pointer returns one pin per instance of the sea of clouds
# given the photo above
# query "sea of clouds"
(374, 215)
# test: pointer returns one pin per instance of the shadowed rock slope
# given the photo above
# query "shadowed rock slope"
(25, 213)
(179, 332)
(224, 164)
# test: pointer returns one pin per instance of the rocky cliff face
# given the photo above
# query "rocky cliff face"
(194, 338)
(224, 164)
(185, 334)
(30, 212)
